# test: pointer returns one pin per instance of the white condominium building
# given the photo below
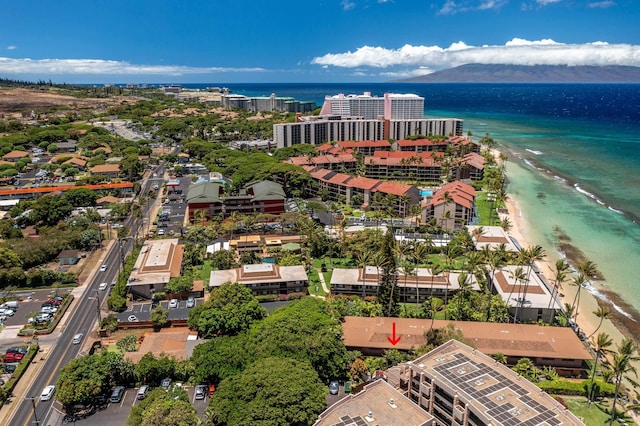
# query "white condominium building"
(391, 106)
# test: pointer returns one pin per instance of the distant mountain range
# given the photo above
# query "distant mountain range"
(491, 73)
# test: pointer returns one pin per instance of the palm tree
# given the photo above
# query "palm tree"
(496, 261)
(420, 251)
(579, 281)
(518, 276)
(622, 367)
(528, 257)
(560, 276)
(603, 313)
(363, 257)
(601, 346)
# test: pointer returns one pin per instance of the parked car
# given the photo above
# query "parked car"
(334, 387)
(165, 383)
(7, 312)
(10, 368)
(47, 393)
(132, 318)
(116, 395)
(191, 302)
(212, 390)
(13, 357)
(201, 391)
(142, 392)
(173, 303)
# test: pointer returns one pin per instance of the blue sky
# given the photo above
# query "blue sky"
(229, 41)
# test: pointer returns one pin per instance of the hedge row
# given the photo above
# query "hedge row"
(8, 387)
(576, 388)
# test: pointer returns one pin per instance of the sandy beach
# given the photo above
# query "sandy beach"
(618, 327)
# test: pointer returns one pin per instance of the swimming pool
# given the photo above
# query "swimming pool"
(426, 192)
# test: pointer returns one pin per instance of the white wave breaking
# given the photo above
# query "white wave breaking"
(534, 151)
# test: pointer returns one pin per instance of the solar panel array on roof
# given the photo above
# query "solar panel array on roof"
(467, 375)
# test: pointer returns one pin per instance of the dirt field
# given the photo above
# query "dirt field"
(26, 100)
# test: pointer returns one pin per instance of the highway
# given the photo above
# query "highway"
(81, 320)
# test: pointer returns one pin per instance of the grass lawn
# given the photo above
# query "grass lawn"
(596, 415)
(313, 280)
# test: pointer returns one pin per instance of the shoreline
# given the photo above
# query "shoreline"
(620, 326)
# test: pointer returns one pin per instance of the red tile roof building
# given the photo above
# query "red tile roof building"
(342, 187)
(452, 206)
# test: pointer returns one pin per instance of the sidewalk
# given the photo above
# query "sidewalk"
(86, 276)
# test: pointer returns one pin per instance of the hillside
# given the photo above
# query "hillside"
(491, 73)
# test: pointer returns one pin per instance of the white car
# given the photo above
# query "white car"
(77, 338)
(47, 393)
(102, 286)
(103, 268)
(132, 318)
(173, 303)
(7, 312)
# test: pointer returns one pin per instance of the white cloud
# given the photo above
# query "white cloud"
(601, 4)
(515, 52)
(11, 47)
(546, 2)
(347, 5)
(451, 7)
(101, 66)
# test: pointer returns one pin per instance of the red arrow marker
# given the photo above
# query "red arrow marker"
(394, 340)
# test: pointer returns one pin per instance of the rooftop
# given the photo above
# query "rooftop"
(517, 340)
(378, 403)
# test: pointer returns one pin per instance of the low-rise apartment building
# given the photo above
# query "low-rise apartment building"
(452, 206)
(206, 200)
(416, 287)
(157, 263)
(545, 346)
(264, 278)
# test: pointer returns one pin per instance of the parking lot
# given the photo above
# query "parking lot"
(142, 311)
(115, 414)
(31, 301)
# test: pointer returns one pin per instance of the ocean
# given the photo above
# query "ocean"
(573, 169)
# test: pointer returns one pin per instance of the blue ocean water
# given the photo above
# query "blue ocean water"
(574, 161)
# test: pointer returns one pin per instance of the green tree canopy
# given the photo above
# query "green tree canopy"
(231, 309)
(272, 391)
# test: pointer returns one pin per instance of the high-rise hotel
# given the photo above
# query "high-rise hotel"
(365, 117)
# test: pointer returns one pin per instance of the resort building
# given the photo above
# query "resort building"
(491, 236)
(378, 403)
(416, 287)
(157, 263)
(262, 243)
(452, 206)
(557, 347)
(266, 103)
(365, 192)
(459, 385)
(526, 293)
(318, 130)
(208, 199)
(392, 106)
(264, 278)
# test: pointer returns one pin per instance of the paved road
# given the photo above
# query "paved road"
(81, 320)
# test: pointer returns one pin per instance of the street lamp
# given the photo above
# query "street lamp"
(97, 299)
(33, 402)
